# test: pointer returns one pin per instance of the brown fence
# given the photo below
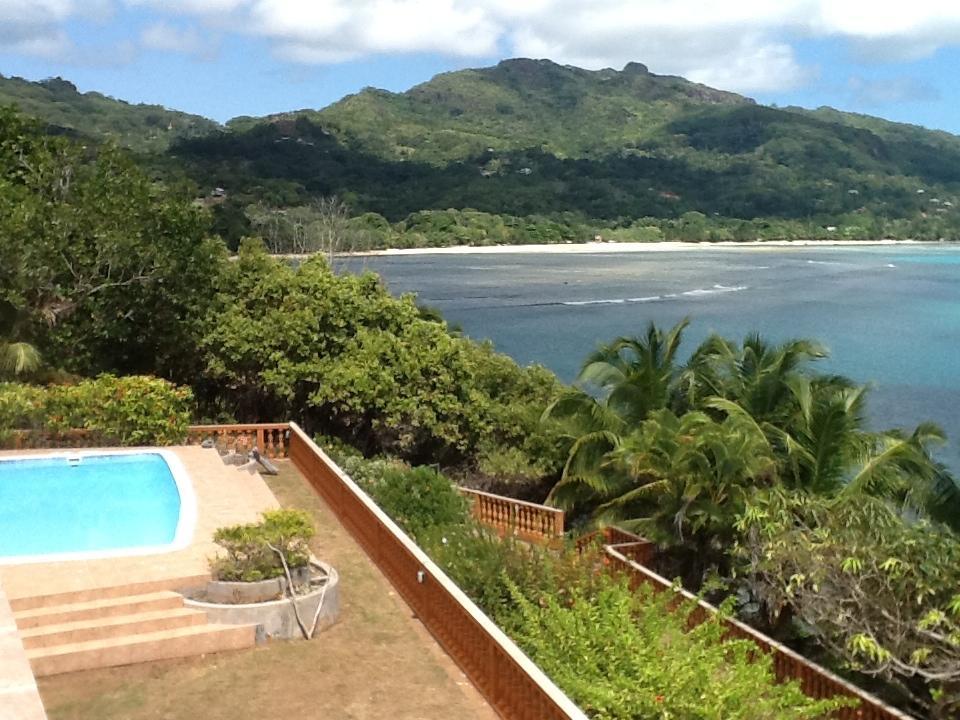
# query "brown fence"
(271, 439)
(513, 685)
(525, 520)
(628, 553)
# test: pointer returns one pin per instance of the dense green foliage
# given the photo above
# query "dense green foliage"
(531, 151)
(253, 550)
(343, 356)
(626, 653)
(131, 410)
(747, 465)
(624, 155)
(675, 450)
(417, 498)
(102, 271)
(139, 127)
(879, 593)
(619, 654)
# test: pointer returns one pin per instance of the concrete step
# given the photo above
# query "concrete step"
(99, 608)
(145, 647)
(110, 627)
(99, 593)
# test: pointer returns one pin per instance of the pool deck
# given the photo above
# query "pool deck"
(225, 495)
(19, 699)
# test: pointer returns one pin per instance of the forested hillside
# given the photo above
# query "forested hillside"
(147, 128)
(537, 151)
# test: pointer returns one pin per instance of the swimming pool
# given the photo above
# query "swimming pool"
(93, 503)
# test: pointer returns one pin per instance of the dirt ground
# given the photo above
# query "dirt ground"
(377, 662)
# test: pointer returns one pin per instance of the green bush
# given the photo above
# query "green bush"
(21, 407)
(250, 556)
(133, 410)
(418, 499)
(624, 654)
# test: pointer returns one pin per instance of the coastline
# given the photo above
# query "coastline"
(636, 247)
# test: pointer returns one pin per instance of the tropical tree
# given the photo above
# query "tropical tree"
(681, 481)
(619, 385)
(102, 270)
(880, 593)
(18, 359)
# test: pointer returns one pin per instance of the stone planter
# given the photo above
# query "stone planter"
(237, 593)
(274, 616)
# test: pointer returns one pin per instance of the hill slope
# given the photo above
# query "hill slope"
(533, 137)
(591, 149)
(138, 127)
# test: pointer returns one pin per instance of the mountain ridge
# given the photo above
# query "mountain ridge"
(607, 148)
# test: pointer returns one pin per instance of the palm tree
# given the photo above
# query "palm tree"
(618, 386)
(18, 359)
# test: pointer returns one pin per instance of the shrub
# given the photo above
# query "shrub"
(21, 407)
(624, 654)
(418, 499)
(133, 410)
(250, 556)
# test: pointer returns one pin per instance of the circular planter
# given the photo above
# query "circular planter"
(274, 617)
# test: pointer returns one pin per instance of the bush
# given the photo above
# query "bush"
(624, 654)
(418, 499)
(250, 556)
(133, 410)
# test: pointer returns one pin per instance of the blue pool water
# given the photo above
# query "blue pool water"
(102, 503)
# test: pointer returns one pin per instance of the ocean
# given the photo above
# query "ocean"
(890, 315)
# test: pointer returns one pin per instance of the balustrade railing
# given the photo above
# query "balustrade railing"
(271, 439)
(525, 520)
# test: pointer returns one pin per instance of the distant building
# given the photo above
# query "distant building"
(524, 171)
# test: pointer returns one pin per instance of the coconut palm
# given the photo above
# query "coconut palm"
(18, 359)
(618, 386)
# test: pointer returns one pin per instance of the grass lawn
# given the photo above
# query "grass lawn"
(377, 662)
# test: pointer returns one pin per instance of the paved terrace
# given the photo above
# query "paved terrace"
(377, 662)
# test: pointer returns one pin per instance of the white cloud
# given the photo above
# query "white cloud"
(36, 27)
(744, 45)
(188, 40)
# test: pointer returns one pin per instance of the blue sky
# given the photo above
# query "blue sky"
(223, 58)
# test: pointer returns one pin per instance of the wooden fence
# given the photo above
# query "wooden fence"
(629, 553)
(525, 520)
(513, 685)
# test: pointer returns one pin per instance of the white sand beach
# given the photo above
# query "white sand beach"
(631, 247)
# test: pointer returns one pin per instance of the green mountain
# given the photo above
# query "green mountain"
(530, 137)
(517, 105)
(144, 128)
(536, 142)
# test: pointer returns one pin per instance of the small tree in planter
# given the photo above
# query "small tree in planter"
(271, 548)
(276, 547)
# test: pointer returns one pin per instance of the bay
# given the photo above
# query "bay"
(890, 315)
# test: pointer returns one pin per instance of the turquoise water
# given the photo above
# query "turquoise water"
(890, 315)
(106, 502)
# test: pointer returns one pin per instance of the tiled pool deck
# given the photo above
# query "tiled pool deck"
(19, 699)
(225, 495)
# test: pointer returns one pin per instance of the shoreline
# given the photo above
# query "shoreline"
(635, 247)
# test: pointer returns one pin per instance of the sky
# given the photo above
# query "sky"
(224, 58)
